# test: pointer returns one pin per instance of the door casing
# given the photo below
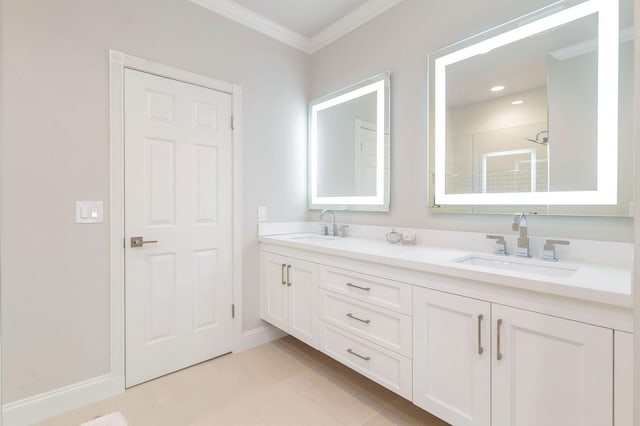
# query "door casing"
(118, 62)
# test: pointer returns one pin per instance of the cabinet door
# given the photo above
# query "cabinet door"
(273, 289)
(452, 357)
(550, 371)
(302, 283)
(623, 382)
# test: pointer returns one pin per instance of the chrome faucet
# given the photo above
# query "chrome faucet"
(325, 230)
(520, 224)
(549, 253)
(501, 244)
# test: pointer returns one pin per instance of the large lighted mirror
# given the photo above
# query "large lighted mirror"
(537, 113)
(349, 147)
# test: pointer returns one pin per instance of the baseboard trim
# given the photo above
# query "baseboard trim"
(256, 337)
(48, 404)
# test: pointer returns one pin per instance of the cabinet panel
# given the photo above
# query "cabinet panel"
(303, 300)
(381, 365)
(452, 357)
(273, 290)
(386, 328)
(623, 380)
(550, 371)
(389, 294)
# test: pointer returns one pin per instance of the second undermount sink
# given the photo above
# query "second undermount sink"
(517, 265)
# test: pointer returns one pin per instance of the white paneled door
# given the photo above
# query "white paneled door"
(178, 200)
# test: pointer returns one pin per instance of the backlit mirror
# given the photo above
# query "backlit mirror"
(537, 113)
(349, 147)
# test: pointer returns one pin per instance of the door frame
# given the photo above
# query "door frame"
(118, 62)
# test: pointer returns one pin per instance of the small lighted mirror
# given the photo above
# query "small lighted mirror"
(537, 112)
(349, 147)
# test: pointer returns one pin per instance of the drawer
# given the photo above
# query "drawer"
(382, 326)
(379, 291)
(385, 367)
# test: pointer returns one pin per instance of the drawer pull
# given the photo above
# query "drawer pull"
(282, 274)
(358, 287)
(480, 348)
(350, 315)
(366, 358)
(288, 278)
(499, 355)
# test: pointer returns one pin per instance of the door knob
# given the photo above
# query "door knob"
(138, 242)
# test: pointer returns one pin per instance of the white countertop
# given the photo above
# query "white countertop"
(608, 284)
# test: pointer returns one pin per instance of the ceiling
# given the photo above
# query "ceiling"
(307, 17)
(307, 25)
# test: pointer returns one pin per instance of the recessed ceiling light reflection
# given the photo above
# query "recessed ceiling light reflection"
(518, 102)
(497, 88)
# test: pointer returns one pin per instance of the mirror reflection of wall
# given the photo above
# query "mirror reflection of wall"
(348, 151)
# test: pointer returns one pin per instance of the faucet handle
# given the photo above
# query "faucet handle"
(501, 244)
(549, 252)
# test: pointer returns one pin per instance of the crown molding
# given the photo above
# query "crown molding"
(242, 15)
(350, 22)
(578, 49)
(245, 16)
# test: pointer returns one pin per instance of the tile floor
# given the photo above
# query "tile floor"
(281, 383)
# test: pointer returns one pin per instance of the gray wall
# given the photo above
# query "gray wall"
(402, 39)
(55, 150)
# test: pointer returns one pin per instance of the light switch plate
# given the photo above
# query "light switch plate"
(89, 212)
(262, 213)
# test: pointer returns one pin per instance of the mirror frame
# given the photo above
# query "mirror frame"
(381, 85)
(607, 109)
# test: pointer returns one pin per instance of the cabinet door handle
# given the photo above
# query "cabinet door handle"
(480, 348)
(350, 315)
(282, 274)
(288, 272)
(499, 355)
(358, 287)
(366, 358)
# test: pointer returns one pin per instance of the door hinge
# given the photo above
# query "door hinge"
(233, 311)
(233, 126)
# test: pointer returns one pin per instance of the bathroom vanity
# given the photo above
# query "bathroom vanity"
(530, 116)
(495, 341)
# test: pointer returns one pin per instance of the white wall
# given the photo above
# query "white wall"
(402, 39)
(55, 150)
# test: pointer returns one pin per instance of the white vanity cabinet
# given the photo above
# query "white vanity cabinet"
(478, 363)
(366, 323)
(471, 351)
(550, 371)
(289, 295)
(452, 357)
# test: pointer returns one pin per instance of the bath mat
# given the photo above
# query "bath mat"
(113, 419)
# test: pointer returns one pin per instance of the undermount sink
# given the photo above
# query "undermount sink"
(516, 265)
(315, 238)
